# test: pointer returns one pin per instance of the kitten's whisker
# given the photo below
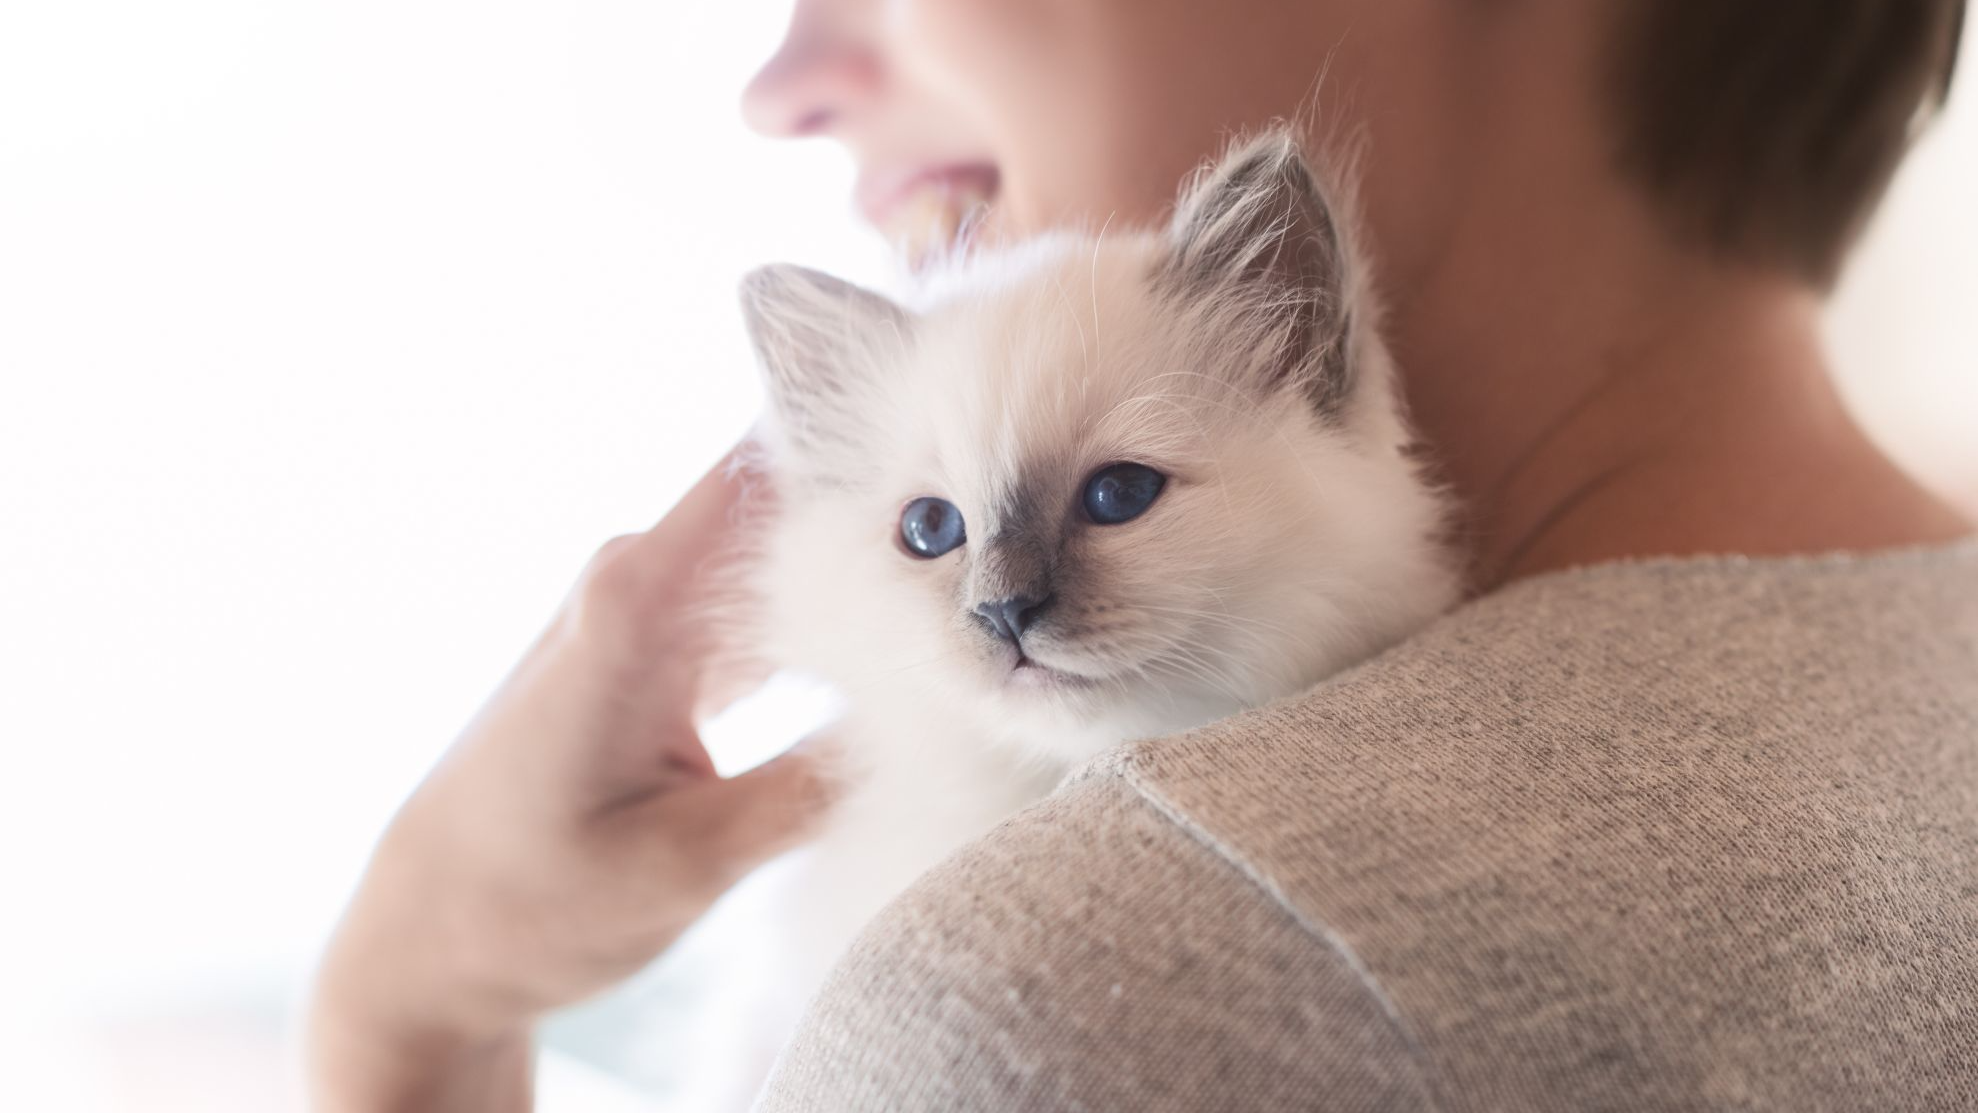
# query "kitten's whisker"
(1084, 348)
(1098, 242)
(870, 679)
(1207, 670)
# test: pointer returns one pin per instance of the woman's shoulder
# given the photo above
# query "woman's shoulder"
(1091, 953)
(1639, 830)
(1593, 658)
(1611, 674)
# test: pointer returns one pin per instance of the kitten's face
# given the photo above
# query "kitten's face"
(1095, 493)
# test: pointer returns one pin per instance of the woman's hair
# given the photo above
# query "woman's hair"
(1768, 130)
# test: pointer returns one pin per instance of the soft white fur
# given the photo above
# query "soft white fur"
(1287, 544)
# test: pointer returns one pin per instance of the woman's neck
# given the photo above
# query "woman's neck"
(1593, 395)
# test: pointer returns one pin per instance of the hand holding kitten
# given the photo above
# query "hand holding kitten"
(572, 832)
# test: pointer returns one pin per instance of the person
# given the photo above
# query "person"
(1679, 811)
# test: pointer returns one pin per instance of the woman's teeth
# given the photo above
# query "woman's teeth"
(934, 220)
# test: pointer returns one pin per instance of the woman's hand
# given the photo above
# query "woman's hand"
(571, 833)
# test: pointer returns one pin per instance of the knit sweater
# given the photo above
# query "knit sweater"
(1677, 834)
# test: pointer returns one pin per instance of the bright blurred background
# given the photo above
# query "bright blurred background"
(334, 336)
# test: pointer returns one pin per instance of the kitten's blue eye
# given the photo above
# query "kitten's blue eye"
(1121, 492)
(930, 527)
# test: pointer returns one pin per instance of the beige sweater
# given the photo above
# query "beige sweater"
(1670, 835)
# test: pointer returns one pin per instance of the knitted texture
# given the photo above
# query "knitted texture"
(1668, 835)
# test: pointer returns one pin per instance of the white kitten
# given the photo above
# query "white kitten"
(1094, 490)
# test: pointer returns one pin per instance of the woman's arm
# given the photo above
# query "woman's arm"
(571, 833)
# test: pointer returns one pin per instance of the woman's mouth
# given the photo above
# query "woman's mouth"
(928, 211)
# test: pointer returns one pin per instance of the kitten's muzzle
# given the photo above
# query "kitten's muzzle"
(1007, 619)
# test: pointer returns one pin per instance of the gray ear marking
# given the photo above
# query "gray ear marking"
(823, 344)
(1258, 224)
(813, 332)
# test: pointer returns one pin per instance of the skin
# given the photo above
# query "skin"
(1592, 389)
(571, 833)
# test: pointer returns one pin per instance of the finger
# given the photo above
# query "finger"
(729, 672)
(706, 516)
(737, 824)
(652, 593)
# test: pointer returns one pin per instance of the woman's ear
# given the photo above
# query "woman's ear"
(1255, 233)
(825, 346)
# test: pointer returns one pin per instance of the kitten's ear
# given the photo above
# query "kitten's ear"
(1256, 232)
(823, 344)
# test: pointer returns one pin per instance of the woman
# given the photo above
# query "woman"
(1643, 825)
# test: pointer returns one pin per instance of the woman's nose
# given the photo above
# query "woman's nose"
(823, 71)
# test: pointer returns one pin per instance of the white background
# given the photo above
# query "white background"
(333, 337)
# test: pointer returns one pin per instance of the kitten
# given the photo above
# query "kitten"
(1093, 490)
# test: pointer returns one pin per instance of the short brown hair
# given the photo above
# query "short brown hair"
(1768, 129)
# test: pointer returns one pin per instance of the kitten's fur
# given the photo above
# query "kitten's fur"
(1235, 351)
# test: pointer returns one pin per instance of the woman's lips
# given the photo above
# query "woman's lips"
(926, 210)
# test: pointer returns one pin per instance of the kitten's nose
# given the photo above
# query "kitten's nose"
(1008, 618)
